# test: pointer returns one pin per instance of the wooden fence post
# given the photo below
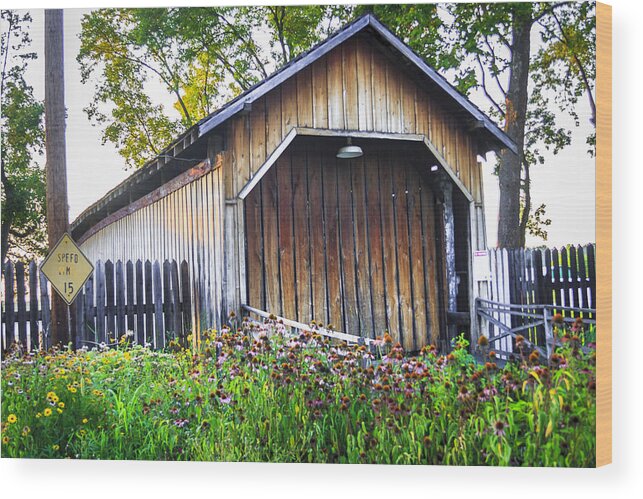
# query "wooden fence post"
(22, 306)
(10, 333)
(140, 305)
(89, 326)
(45, 311)
(159, 331)
(33, 305)
(549, 337)
(100, 302)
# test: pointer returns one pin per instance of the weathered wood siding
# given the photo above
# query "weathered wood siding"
(353, 87)
(346, 243)
(183, 224)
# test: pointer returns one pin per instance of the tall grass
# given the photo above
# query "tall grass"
(258, 395)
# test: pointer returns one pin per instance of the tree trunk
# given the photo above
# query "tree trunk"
(509, 230)
(56, 168)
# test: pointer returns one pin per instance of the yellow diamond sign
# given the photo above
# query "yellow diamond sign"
(67, 268)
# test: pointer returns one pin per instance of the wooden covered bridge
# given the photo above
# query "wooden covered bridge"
(256, 200)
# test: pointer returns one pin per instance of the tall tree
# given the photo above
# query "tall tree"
(56, 168)
(22, 139)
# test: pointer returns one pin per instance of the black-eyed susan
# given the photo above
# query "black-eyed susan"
(12, 418)
(47, 412)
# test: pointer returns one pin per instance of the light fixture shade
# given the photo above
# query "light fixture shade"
(349, 151)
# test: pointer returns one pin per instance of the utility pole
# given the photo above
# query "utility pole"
(56, 167)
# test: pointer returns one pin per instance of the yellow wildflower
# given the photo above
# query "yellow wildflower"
(85, 420)
(39, 415)
(61, 405)
(5, 439)
(12, 419)
(60, 411)
(55, 447)
(47, 412)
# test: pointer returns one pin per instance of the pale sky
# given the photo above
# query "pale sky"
(565, 183)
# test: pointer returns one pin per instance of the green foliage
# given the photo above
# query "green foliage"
(202, 57)
(22, 140)
(257, 395)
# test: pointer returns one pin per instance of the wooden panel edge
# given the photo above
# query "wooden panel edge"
(604, 234)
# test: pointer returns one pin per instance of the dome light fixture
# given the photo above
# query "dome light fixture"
(349, 151)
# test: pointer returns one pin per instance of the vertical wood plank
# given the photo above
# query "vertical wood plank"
(582, 277)
(288, 105)
(168, 308)
(413, 187)
(350, 84)
(301, 235)
(320, 93)
(33, 305)
(365, 86)
(333, 276)
(403, 256)
(374, 239)
(573, 274)
(317, 236)
(591, 267)
(394, 98)
(555, 271)
(10, 317)
(286, 241)
(258, 135)
(110, 307)
(21, 304)
(255, 249)
(271, 241)
(427, 202)
(120, 300)
(129, 280)
(139, 335)
(390, 247)
(78, 327)
(176, 301)
(564, 276)
(157, 286)
(89, 326)
(186, 303)
(347, 261)
(273, 120)
(335, 90)
(362, 253)
(45, 309)
(305, 98)
(149, 304)
(379, 91)
(100, 302)
(240, 153)
(408, 105)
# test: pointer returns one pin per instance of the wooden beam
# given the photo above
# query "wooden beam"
(268, 164)
(350, 338)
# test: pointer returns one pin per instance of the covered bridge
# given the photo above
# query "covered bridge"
(255, 198)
